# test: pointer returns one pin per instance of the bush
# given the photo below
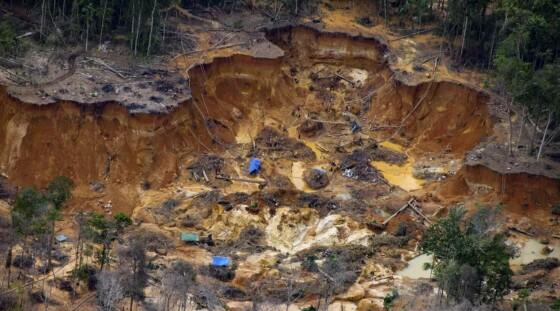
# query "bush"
(224, 274)
(389, 299)
(8, 40)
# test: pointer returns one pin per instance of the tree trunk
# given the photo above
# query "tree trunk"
(50, 247)
(510, 150)
(544, 136)
(103, 256)
(8, 264)
(519, 136)
(464, 36)
(132, 28)
(151, 29)
(492, 45)
(163, 31)
(87, 32)
(139, 22)
(385, 11)
(102, 23)
(43, 12)
(533, 136)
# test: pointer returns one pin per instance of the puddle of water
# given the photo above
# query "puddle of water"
(398, 175)
(415, 268)
(531, 250)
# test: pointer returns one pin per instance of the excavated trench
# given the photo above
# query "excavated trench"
(322, 76)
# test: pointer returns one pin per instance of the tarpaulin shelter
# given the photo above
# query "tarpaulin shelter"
(220, 261)
(254, 166)
(189, 237)
(61, 238)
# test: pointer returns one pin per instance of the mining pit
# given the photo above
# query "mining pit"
(344, 139)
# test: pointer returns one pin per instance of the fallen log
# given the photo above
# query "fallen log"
(260, 182)
(412, 34)
(345, 79)
(415, 208)
(515, 229)
(102, 63)
(398, 212)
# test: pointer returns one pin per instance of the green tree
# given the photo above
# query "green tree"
(35, 213)
(469, 262)
(103, 232)
(8, 42)
(528, 61)
(132, 266)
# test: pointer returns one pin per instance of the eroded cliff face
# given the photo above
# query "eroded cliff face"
(322, 75)
(92, 143)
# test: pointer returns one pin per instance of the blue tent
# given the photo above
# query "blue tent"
(220, 261)
(254, 166)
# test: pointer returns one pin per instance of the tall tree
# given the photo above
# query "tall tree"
(469, 261)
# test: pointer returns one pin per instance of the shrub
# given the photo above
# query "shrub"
(8, 40)
(389, 299)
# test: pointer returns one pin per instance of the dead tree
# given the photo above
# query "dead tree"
(176, 286)
(110, 290)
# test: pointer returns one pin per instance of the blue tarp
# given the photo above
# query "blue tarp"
(220, 261)
(254, 166)
(61, 238)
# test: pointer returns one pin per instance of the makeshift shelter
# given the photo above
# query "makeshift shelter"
(189, 237)
(254, 166)
(61, 238)
(220, 261)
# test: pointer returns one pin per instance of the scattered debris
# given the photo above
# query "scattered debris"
(310, 128)
(97, 186)
(272, 143)
(380, 153)
(207, 167)
(357, 166)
